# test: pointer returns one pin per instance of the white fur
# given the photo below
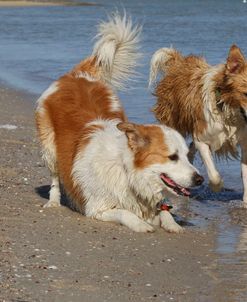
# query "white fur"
(177, 144)
(158, 61)
(168, 223)
(86, 76)
(126, 218)
(55, 194)
(48, 146)
(99, 171)
(215, 181)
(49, 151)
(243, 144)
(104, 171)
(217, 131)
(117, 50)
(244, 176)
(114, 190)
(115, 104)
(49, 91)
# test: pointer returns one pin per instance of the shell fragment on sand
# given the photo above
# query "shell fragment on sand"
(8, 127)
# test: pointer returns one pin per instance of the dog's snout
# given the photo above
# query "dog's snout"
(197, 179)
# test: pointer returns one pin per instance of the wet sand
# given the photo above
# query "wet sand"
(60, 255)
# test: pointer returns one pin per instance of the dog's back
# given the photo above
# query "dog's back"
(179, 95)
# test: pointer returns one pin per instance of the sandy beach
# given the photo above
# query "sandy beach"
(60, 255)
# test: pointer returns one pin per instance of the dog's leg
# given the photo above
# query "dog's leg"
(49, 156)
(192, 152)
(155, 220)
(126, 218)
(55, 194)
(244, 171)
(215, 181)
(244, 176)
(168, 223)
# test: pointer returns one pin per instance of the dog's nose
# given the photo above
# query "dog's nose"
(198, 179)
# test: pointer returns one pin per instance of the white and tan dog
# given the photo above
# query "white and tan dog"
(111, 169)
(207, 102)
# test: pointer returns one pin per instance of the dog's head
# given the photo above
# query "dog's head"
(158, 161)
(234, 81)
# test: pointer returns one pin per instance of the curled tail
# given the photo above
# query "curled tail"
(116, 50)
(160, 62)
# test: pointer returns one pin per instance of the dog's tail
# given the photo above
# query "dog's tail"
(160, 62)
(117, 50)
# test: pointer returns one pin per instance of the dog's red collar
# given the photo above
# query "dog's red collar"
(163, 206)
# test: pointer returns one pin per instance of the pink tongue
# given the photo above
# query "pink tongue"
(168, 180)
(185, 191)
(174, 185)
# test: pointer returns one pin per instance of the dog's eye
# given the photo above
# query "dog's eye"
(173, 157)
(245, 94)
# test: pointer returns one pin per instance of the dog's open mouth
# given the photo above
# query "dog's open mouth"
(179, 190)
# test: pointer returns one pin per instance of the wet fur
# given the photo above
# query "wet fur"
(206, 102)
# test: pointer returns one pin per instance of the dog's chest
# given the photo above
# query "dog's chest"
(218, 133)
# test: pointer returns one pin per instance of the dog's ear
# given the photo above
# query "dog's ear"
(235, 61)
(135, 138)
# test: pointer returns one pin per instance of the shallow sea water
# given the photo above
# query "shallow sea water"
(37, 45)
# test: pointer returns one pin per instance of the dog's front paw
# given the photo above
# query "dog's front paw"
(173, 227)
(216, 186)
(142, 227)
(52, 204)
(169, 224)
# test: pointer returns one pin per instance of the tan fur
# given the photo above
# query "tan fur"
(147, 144)
(47, 138)
(186, 92)
(154, 151)
(88, 65)
(66, 112)
(179, 97)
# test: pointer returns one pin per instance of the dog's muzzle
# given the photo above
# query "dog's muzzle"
(244, 113)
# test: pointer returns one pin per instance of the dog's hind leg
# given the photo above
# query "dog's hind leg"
(47, 138)
(49, 156)
(55, 194)
(244, 176)
(126, 218)
(215, 181)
